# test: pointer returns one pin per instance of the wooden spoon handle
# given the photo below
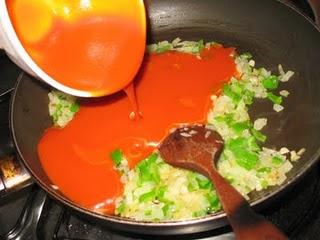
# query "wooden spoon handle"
(246, 224)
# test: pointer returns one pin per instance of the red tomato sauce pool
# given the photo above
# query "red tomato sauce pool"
(171, 88)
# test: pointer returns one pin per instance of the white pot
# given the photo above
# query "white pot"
(14, 49)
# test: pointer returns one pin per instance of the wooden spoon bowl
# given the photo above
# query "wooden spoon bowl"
(198, 148)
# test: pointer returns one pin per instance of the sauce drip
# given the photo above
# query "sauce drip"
(172, 88)
(130, 92)
(85, 45)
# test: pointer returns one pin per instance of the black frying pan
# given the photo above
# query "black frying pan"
(273, 32)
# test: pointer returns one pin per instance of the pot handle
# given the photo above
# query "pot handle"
(315, 6)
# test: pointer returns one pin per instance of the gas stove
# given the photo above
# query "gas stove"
(27, 212)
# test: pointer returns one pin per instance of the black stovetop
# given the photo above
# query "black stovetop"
(27, 212)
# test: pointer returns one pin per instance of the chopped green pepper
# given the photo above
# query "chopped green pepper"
(204, 183)
(213, 200)
(276, 160)
(168, 206)
(246, 159)
(274, 98)
(160, 192)
(228, 92)
(192, 182)
(252, 144)
(248, 97)
(239, 127)
(264, 183)
(264, 170)
(271, 82)
(147, 212)
(148, 170)
(249, 144)
(201, 45)
(163, 48)
(74, 107)
(121, 208)
(226, 118)
(258, 135)
(147, 196)
(246, 55)
(199, 214)
(116, 157)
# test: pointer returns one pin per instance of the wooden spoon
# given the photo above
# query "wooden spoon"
(198, 148)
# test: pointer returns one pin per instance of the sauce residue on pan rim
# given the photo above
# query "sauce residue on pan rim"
(172, 88)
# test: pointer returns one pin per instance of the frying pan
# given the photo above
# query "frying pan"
(271, 30)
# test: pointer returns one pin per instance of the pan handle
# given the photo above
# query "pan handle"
(315, 6)
(13, 175)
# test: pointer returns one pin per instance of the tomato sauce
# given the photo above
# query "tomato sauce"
(85, 45)
(171, 88)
